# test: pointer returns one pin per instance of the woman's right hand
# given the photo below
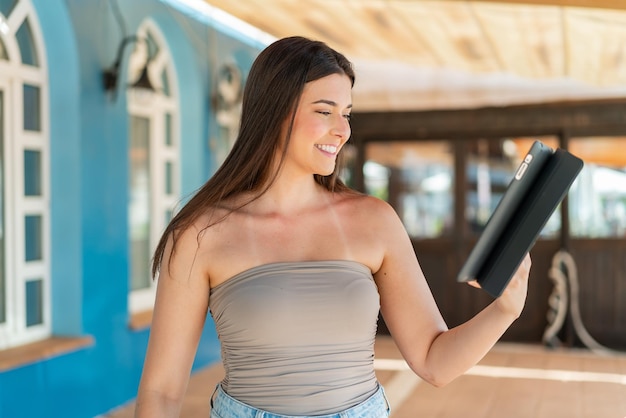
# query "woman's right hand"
(513, 298)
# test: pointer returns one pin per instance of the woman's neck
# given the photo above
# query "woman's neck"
(289, 197)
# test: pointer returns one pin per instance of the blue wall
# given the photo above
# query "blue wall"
(89, 196)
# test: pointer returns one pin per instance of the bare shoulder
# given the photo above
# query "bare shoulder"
(210, 229)
(369, 210)
(374, 226)
(222, 236)
(186, 249)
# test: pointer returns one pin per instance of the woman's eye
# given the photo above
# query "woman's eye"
(348, 116)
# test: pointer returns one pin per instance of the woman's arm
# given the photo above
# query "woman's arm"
(179, 314)
(434, 352)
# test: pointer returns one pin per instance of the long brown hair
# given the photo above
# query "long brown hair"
(273, 89)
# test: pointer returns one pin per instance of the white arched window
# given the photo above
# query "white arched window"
(24, 178)
(154, 159)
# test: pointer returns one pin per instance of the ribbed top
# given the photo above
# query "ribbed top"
(298, 337)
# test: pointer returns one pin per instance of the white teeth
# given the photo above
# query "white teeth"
(328, 148)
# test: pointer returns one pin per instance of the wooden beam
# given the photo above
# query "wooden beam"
(597, 4)
(582, 118)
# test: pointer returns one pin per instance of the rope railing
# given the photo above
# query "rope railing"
(564, 275)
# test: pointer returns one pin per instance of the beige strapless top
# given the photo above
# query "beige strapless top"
(298, 337)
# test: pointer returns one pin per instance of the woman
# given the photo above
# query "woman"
(294, 266)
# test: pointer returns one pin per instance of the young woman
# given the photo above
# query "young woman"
(293, 266)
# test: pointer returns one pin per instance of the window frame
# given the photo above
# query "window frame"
(13, 76)
(155, 110)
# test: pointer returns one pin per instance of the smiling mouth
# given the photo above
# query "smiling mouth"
(330, 149)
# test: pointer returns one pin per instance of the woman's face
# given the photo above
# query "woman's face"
(321, 125)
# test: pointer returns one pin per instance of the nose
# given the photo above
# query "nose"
(341, 128)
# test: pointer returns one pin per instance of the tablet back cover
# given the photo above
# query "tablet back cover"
(498, 259)
(522, 181)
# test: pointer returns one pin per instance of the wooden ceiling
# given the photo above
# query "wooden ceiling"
(455, 53)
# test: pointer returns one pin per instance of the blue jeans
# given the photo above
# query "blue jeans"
(224, 406)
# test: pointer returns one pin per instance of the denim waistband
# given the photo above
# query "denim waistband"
(225, 406)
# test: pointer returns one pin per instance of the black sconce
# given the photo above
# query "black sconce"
(111, 75)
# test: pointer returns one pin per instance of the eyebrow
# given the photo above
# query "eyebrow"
(330, 103)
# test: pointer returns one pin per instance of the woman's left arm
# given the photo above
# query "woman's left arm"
(437, 354)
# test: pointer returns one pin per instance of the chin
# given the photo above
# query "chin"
(325, 173)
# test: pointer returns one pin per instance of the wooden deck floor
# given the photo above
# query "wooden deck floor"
(513, 381)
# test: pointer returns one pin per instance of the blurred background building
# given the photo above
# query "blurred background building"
(112, 112)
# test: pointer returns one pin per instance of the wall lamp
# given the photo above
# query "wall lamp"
(110, 76)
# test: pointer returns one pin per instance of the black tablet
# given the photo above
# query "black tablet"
(540, 183)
